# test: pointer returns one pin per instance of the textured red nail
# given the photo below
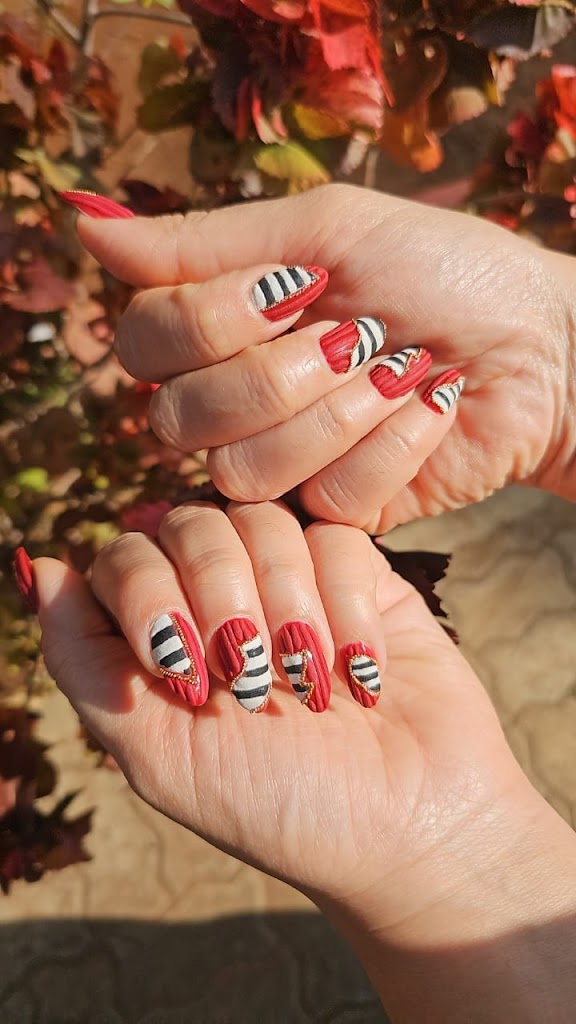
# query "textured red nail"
(178, 655)
(400, 373)
(25, 579)
(353, 343)
(444, 391)
(286, 291)
(244, 663)
(363, 675)
(305, 664)
(95, 206)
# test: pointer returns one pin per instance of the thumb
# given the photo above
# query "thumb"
(316, 227)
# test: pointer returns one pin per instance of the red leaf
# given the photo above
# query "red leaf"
(145, 518)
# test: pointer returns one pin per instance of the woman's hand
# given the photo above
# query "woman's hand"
(301, 409)
(407, 820)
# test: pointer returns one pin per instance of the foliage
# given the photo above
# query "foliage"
(277, 96)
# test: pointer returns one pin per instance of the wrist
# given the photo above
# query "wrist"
(557, 472)
(483, 930)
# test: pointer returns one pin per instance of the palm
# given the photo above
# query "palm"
(350, 772)
(467, 290)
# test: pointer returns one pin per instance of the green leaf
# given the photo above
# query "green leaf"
(34, 478)
(59, 175)
(291, 162)
(172, 106)
(318, 124)
(158, 60)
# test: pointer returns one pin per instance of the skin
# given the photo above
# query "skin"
(482, 300)
(409, 824)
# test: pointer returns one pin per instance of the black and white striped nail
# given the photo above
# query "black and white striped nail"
(177, 653)
(443, 393)
(283, 292)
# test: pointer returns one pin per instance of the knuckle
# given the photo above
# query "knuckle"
(127, 336)
(272, 386)
(166, 416)
(121, 553)
(334, 420)
(200, 323)
(332, 499)
(238, 474)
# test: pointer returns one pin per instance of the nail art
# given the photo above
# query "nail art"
(444, 392)
(286, 291)
(178, 655)
(305, 665)
(95, 206)
(244, 663)
(363, 674)
(25, 579)
(399, 374)
(353, 343)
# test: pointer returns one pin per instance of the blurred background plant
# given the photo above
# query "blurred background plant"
(272, 97)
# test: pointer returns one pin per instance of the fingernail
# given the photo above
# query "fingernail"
(95, 206)
(305, 664)
(244, 663)
(26, 579)
(400, 373)
(444, 392)
(353, 343)
(363, 674)
(178, 655)
(286, 291)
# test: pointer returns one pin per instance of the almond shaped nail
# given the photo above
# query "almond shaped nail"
(363, 673)
(26, 579)
(177, 653)
(305, 665)
(286, 291)
(398, 374)
(95, 206)
(353, 343)
(244, 663)
(443, 393)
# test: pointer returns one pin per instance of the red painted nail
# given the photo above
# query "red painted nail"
(353, 343)
(283, 292)
(95, 206)
(399, 374)
(363, 675)
(244, 663)
(444, 392)
(178, 655)
(305, 664)
(26, 579)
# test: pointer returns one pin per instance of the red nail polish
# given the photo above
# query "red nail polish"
(305, 664)
(362, 671)
(178, 655)
(25, 579)
(353, 343)
(244, 663)
(444, 391)
(399, 374)
(95, 206)
(283, 292)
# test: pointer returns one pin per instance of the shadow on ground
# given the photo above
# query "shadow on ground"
(268, 969)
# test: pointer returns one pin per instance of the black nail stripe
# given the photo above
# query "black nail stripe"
(256, 671)
(268, 293)
(296, 277)
(366, 679)
(258, 691)
(164, 634)
(173, 658)
(280, 278)
(254, 652)
(369, 331)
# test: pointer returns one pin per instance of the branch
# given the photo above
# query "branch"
(165, 19)
(64, 25)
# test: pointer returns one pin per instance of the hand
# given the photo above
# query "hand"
(485, 303)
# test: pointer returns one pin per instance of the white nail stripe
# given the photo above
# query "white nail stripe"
(398, 362)
(161, 623)
(185, 665)
(297, 680)
(173, 643)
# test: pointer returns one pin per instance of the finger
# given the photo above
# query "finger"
(346, 581)
(141, 589)
(272, 462)
(284, 574)
(356, 486)
(93, 665)
(260, 387)
(204, 324)
(148, 252)
(217, 575)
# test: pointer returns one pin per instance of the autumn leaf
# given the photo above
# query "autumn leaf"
(291, 162)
